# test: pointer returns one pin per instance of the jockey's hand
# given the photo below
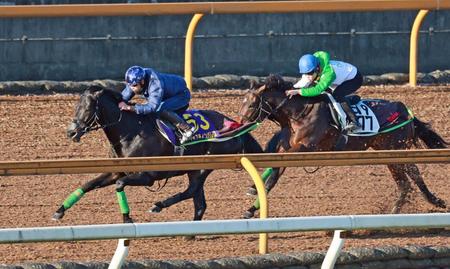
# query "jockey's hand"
(124, 106)
(292, 92)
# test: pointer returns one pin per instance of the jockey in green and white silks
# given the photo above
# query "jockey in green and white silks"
(340, 77)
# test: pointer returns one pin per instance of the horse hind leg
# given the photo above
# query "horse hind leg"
(199, 204)
(413, 172)
(403, 185)
(196, 183)
(101, 181)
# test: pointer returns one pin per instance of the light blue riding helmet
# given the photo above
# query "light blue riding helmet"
(134, 75)
(307, 63)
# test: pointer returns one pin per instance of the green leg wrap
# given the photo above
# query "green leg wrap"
(73, 198)
(123, 203)
(265, 175)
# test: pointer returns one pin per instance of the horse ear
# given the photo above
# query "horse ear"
(261, 89)
(253, 84)
(98, 93)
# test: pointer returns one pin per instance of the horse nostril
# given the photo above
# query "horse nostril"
(71, 129)
(70, 133)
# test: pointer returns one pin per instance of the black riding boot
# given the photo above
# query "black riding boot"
(185, 129)
(353, 123)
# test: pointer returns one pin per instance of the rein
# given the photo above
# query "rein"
(94, 124)
(260, 110)
(272, 111)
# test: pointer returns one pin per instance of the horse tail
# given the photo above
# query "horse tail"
(424, 132)
(250, 144)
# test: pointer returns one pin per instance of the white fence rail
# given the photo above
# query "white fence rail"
(214, 227)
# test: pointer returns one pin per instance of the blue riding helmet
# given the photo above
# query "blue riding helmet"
(134, 75)
(307, 63)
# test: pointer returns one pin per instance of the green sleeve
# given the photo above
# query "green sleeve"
(326, 78)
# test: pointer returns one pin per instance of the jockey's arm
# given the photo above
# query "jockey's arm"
(304, 82)
(155, 95)
(127, 94)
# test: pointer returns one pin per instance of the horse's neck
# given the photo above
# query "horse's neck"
(122, 135)
(120, 125)
(302, 112)
(113, 130)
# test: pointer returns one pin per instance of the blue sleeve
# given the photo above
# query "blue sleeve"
(127, 94)
(155, 95)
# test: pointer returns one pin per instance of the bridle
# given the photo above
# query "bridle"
(264, 109)
(93, 123)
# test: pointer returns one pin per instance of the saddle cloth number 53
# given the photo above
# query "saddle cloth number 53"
(198, 121)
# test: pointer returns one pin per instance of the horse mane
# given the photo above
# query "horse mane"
(276, 82)
(100, 90)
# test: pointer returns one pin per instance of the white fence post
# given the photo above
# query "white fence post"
(120, 255)
(333, 252)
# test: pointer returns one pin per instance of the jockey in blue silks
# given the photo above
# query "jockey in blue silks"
(167, 96)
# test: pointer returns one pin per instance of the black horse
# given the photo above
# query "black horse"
(132, 135)
(307, 124)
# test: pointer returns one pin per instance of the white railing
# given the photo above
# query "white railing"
(214, 227)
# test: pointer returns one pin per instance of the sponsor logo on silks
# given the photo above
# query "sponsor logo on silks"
(393, 117)
(204, 128)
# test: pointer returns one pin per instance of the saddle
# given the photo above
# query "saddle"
(375, 115)
(204, 129)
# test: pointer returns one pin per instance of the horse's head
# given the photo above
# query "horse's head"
(263, 101)
(87, 112)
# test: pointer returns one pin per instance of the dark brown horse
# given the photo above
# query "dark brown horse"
(132, 135)
(307, 124)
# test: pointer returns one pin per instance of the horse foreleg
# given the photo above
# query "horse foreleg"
(138, 179)
(252, 190)
(403, 184)
(272, 179)
(413, 172)
(278, 143)
(196, 182)
(100, 181)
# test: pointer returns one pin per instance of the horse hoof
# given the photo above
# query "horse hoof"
(155, 209)
(58, 215)
(441, 203)
(252, 191)
(248, 215)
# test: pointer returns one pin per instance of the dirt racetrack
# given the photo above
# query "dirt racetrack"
(33, 127)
